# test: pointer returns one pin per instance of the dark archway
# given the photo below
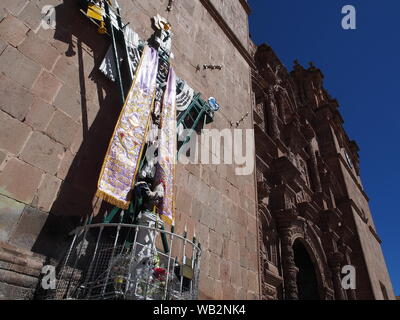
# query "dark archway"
(307, 283)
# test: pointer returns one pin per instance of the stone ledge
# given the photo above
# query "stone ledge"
(375, 234)
(246, 6)
(20, 252)
(24, 266)
(10, 292)
(19, 272)
(17, 279)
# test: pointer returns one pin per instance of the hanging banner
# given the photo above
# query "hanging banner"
(124, 152)
(165, 174)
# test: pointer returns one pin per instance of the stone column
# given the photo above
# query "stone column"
(310, 135)
(272, 112)
(351, 294)
(290, 270)
(335, 263)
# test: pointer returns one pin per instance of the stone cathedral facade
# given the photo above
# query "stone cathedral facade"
(313, 210)
(283, 232)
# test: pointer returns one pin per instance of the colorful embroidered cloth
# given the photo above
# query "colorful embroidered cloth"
(167, 150)
(122, 160)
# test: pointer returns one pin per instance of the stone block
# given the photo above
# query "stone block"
(66, 70)
(218, 290)
(251, 295)
(244, 278)
(242, 217)
(18, 67)
(47, 192)
(251, 224)
(214, 266)
(73, 201)
(13, 6)
(222, 226)
(233, 192)
(10, 212)
(244, 256)
(205, 262)
(184, 199)
(182, 176)
(78, 141)
(252, 279)
(193, 184)
(247, 204)
(46, 87)
(203, 192)
(19, 181)
(14, 98)
(249, 190)
(29, 228)
(196, 210)
(17, 279)
(229, 292)
(251, 241)
(13, 133)
(65, 165)
(3, 157)
(233, 211)
(31, 15)
(235, 231)
(215, 200)
(68, 100)
(241, 294)
(206, 291)
(203, 234)
(62, 128)
(253, 260)
(225, 271)
(194, 169)
(38, 50)
(39, 115)
(43, 152)
(3, 45)
(231, 250)
(92, 108)
(12, 30)
(10, 292)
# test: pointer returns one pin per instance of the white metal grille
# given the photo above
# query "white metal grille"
(128, 262)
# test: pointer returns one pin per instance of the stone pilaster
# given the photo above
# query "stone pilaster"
(335, 263)
(310, 135)
(272, 115)
(290, 270)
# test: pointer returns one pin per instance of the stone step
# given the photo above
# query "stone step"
(17, 279)
(11, 292)
(19, 272)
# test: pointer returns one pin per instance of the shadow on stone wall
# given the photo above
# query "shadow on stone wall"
(75, 198)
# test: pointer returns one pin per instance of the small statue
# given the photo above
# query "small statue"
(278, 81)
(152, 197)
(163, 35)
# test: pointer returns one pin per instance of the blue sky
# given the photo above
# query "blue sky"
(361, 69)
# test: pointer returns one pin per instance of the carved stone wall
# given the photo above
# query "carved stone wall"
(58, 112)
(307, 170)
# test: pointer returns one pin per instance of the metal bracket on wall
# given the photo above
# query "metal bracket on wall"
(237, 123)
(212, 67)
(170, 4)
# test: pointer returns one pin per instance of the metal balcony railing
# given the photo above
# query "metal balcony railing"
(111, 261)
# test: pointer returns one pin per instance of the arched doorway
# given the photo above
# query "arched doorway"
(307, 283)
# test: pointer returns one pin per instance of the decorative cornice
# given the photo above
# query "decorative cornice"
(246, 6)
(228, 31)
(375, 234)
